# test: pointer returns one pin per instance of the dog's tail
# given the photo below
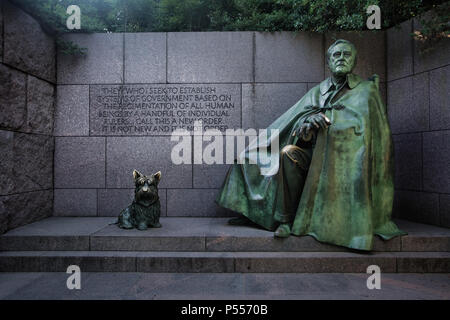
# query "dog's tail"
(117, 222)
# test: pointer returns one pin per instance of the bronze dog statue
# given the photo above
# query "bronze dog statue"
(145, 210)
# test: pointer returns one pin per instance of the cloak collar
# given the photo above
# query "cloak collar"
(352, 80)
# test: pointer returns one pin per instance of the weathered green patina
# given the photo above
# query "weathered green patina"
(347, 194)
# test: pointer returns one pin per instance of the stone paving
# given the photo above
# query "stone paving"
(268, 286)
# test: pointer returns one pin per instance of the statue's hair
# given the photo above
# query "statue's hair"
(336, 43)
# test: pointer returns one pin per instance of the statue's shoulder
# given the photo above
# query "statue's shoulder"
(372, 83)
(375, 79)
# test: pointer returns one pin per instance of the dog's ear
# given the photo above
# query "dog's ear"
(136, 174)
(157, 176)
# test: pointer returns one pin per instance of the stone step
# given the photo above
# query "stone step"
(196, 234)
(220, 262)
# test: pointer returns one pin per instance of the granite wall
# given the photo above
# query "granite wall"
(259, 76)
(27, 94)
(419, 112)
(83, 166)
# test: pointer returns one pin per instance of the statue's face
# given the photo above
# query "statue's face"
(342, 59)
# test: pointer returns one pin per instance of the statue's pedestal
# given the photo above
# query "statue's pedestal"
(208, 245)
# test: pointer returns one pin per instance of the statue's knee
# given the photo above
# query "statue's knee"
(294, 155)
(287, 155)
(288, 149)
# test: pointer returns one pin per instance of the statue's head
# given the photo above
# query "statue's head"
(341, 57)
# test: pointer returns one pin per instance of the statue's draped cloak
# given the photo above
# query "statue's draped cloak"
(348, 193)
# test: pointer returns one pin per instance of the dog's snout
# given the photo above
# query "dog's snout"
(145, 188)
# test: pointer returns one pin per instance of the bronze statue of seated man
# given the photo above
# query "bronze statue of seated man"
(335, 175)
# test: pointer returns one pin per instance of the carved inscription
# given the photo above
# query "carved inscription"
(161, 109)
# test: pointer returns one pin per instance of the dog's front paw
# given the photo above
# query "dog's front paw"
(157, 225)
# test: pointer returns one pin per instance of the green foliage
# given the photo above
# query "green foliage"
(234, 15)
(435, 27)
(70, 48)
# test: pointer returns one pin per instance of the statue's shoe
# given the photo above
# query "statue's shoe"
(240, 221)
(157, 225)
(283, 231)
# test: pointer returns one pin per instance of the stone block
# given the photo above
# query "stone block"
(440, 98)
(79, 162)
(36, 243)
(444, 210)
(53, 234)
(192, 262)
(312, 262)
(103, 62)
(425, 262)
(72, 110)
(408, 104)
(408, 161)
(17, 281)
(312, 85)
(371, 47)
(264, 242)
(209, 176)
(27, 162)
(57, 261)
(145, 57)
(434, 57)
(194, 203)
(3, 215)
(417, 206)
(436, 161)
(12, 98)
(399, 51)
(24, 208)
(112, 238)
(180, 286)
(6, 169)
(263, 103)
(62, 226)
(40, 106)
(26, 46)
(288, 57)
(75, 202)
(112, 201)
(199, 57)
(425, 243)
(420, 230)
(147, 155)
(220, 236)
(381, 245)
(159, 109)
(33, 162)
(183, 227)
(1, 31)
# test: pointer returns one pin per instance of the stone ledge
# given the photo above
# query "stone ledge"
(223, 262)
(196, 234)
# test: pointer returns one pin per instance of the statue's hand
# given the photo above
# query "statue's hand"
(305, 132)
(319, 120)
